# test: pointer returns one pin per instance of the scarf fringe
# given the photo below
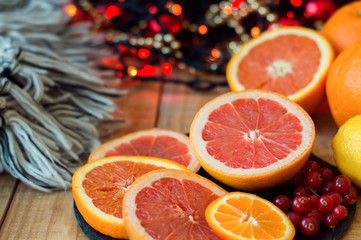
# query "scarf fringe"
(50, 101)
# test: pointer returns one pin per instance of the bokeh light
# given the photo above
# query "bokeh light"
(202, 29)
(132, 71)
(71, 10)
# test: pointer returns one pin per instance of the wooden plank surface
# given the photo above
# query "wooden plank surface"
(36, 215)
(7, 189)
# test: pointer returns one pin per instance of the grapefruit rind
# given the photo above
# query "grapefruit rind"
(131, 222)
(315, 89)
(252, 179)
(213, 207)
(100, 152)
(97, 219)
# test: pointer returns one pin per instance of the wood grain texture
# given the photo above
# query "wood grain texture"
(7, 189)
(179, 105)
(37, 215)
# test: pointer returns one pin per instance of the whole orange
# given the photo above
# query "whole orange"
(343, 28)
(343, 84)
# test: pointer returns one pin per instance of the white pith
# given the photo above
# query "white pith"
(279, 68)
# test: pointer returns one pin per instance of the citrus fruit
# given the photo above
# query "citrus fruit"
(242, 216)
(253, 139)
(292, 61)
(169, 204)
(343, 28)
(99, 188)
(343, 85)
(161, 143)
(346, 147)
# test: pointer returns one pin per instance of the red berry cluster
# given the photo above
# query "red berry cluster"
(318, 196)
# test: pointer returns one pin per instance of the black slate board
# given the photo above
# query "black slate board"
(324, 233)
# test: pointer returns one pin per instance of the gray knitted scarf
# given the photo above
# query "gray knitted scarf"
(50, 100)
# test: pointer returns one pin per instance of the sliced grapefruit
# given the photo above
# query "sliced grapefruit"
(253, 139)
(292, 61)
(169, 204)
(244, 216)
(99, 188)
(160, 143)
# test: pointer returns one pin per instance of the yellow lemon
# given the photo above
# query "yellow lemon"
(346, 147)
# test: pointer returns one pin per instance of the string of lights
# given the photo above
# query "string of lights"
(153, 38)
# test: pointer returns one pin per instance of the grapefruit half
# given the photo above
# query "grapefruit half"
(160, 143)
(253, 139)
(169, 204)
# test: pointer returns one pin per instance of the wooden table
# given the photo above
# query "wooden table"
(29, 214)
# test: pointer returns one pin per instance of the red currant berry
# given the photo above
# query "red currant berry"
(326, 174)
(298, 180)
(309, 226)
(317, 214)
(340, 212)
(341, 184)
(313, 201)
(301, 191)
(326, 188)
(294, 218)
(330, 220)
(354, 190)
(310, 166)
(325, 203)
(282, 202)
(301, 205)
(337, 199)
(314, 179)
(349, 198)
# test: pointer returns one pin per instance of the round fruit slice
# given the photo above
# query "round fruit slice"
(253, 139)
(169, 204)
(243, 216)
(160, 143)
(99, 188)
(292, 61)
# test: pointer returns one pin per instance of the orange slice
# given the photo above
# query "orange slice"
(169, 204)
(253, 139)
(243, 216)
(99, 188)
(292, 61)
(160, 143)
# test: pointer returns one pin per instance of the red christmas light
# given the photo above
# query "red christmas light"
(296, 3)
(143, 53)
(166, 68)
(148, 70)
(237, 4)
(111, 11)
(152, 10)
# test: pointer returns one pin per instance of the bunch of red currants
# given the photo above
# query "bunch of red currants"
(318, 196)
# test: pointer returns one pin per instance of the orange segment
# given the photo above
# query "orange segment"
(253, 139)
(169, 204)
(160, 143)
(245, 216)
(99, 188)
(292, 61)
